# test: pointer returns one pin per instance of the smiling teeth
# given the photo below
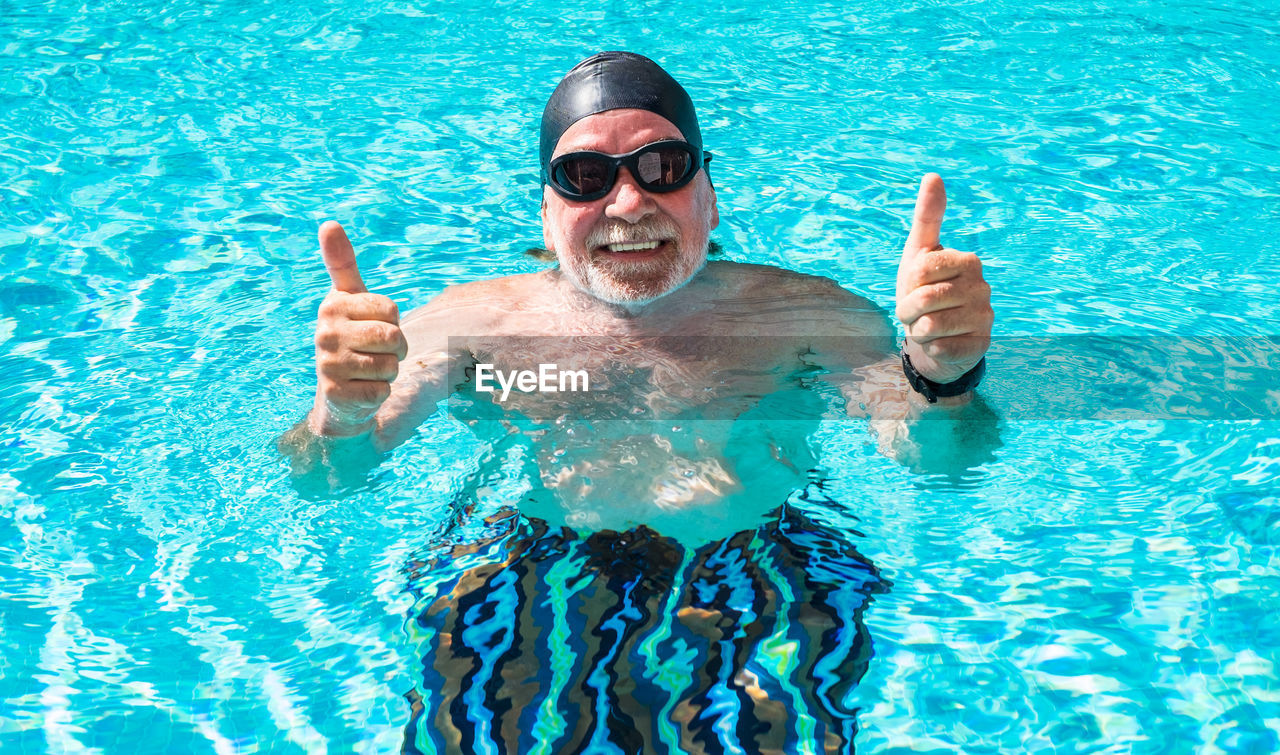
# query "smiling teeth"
(637, 247)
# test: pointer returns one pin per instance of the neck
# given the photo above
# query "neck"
(673, 301)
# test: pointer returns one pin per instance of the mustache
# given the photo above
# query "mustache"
(621, 232)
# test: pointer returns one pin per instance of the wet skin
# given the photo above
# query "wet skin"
(707, 339)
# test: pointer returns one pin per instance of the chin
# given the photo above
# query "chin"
(635, 285)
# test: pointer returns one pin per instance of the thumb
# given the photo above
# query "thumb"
(926, 224)
(340, 259)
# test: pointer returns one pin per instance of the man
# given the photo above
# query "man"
(664, 585)
(628, 207)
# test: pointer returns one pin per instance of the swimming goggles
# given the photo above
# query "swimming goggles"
(659, 167)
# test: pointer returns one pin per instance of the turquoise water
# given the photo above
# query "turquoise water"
(1093, 585)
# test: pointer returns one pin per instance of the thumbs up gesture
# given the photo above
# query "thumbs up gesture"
(943, 301)
(359, 344)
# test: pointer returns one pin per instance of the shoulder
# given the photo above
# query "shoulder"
(814, 305)
(478, 306)
(508, 289)
(767, 280)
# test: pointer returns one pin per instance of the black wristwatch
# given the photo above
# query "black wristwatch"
(933, 391)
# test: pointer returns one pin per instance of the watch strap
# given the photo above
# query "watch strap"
(933, 391)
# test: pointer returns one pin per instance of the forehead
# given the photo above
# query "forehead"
(616, 132)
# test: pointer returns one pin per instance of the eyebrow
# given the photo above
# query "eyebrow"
(558, 152)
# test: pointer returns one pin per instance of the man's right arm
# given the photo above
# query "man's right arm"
(374, 385)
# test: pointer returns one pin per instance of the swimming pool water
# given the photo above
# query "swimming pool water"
(1095, 584)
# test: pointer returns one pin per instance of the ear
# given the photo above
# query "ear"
(546, 229)
(715, 209)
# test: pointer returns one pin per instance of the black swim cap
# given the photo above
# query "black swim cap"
(612, 81)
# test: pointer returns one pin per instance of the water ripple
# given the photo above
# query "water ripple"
(163, 168)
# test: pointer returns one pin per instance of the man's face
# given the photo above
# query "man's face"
(630, 246)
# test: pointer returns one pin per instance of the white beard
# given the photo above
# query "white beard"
(634, 283)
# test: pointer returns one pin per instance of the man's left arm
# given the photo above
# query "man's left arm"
(944, 305)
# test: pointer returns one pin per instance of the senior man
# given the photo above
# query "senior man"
(628, 206)
(695, 602)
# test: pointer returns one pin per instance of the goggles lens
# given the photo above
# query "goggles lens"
(659, 167)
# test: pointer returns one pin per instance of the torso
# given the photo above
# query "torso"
(672, 421)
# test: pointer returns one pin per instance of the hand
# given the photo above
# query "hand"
(943, 302)
(359, 344)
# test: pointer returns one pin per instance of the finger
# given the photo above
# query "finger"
(368, 336)
(360, 307)
(926, 223)
(340, 259)
(957, 321)
(936, 267)
(360, 366)
(373, 337)
(935, 297)
(962, 352)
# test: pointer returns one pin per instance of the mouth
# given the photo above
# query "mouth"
(635, 250)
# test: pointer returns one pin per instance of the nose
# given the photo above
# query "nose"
(628, 201)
